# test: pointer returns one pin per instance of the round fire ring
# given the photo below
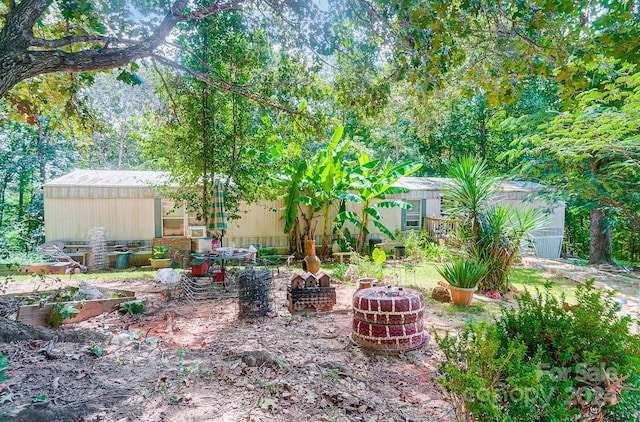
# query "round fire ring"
(389, 319)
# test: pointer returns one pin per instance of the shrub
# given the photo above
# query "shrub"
(490, 234)
(339, 271)
(4, 364)
(160, 252)
(546, 361)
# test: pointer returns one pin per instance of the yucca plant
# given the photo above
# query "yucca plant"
(463, 273)
(490, 234)
(502, 229)
(468, 194)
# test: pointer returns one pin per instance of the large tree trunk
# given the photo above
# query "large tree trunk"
(600, 238)
(23, 55)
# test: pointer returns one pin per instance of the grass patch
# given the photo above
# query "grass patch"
(424, 277)
(530, 279)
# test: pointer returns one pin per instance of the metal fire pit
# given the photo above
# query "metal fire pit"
(389, 319)
(255, 293)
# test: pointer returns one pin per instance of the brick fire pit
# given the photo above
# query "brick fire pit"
(389, 319)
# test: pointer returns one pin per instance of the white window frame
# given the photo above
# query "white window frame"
(413, 217)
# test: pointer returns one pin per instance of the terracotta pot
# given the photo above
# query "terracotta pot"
(365, 283)
(459, 296)
(311, 262)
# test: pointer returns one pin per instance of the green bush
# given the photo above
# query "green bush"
(134, 307)
(339, 271)
(4, 364)
(267, 251)
(546, 361)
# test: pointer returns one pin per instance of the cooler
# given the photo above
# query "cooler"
(204, 245)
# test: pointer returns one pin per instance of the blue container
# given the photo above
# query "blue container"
(122, 260)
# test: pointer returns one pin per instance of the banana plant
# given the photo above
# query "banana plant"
(370, 183)
(316, 184)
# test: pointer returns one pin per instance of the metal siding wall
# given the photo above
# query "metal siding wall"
(71, 219)
(260, 225)
(258, 220)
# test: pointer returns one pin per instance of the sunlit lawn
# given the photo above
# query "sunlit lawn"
(425, 277)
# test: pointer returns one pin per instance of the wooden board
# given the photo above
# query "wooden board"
(35, 315)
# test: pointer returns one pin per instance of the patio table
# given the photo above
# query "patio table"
(217, 260)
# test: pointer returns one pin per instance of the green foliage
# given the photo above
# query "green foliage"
(476, 42)
(411, 241)
(480, 372)
(339, 271)
(545, 360)
(160, 252)
(491, 234)
(468, 195)
(590, 152)
(436, 252)
(29, 155)
(378, 256)
(366, 267)
(501, 232)
(463, 273)
(134, 307)
(60, 312)
(314, 187)
(4, 364)
(267, 251)
(370, 183)
(421, 247)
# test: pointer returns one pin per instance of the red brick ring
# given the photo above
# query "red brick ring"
(389, 319)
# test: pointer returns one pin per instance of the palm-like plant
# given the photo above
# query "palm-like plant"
(469, 193)
(491, 234)
(502, 229)
(463, 273)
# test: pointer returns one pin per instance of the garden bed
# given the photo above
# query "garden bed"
(34, 307)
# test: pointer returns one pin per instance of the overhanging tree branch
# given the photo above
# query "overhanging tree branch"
(23, 56)
(77, 39)
(220, 84)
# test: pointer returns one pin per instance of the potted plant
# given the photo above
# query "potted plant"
(462, 277)
(159, 257)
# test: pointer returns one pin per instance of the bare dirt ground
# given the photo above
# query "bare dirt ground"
(197, 361)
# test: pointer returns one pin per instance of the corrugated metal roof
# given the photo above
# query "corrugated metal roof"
(111, 178)
(422, 183)
(131, 178)
(439, 183)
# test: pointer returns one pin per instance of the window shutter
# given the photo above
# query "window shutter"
(157, 216)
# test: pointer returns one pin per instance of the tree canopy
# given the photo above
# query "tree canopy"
(410, 81)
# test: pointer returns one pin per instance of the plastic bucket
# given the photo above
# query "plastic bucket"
(122, 260)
